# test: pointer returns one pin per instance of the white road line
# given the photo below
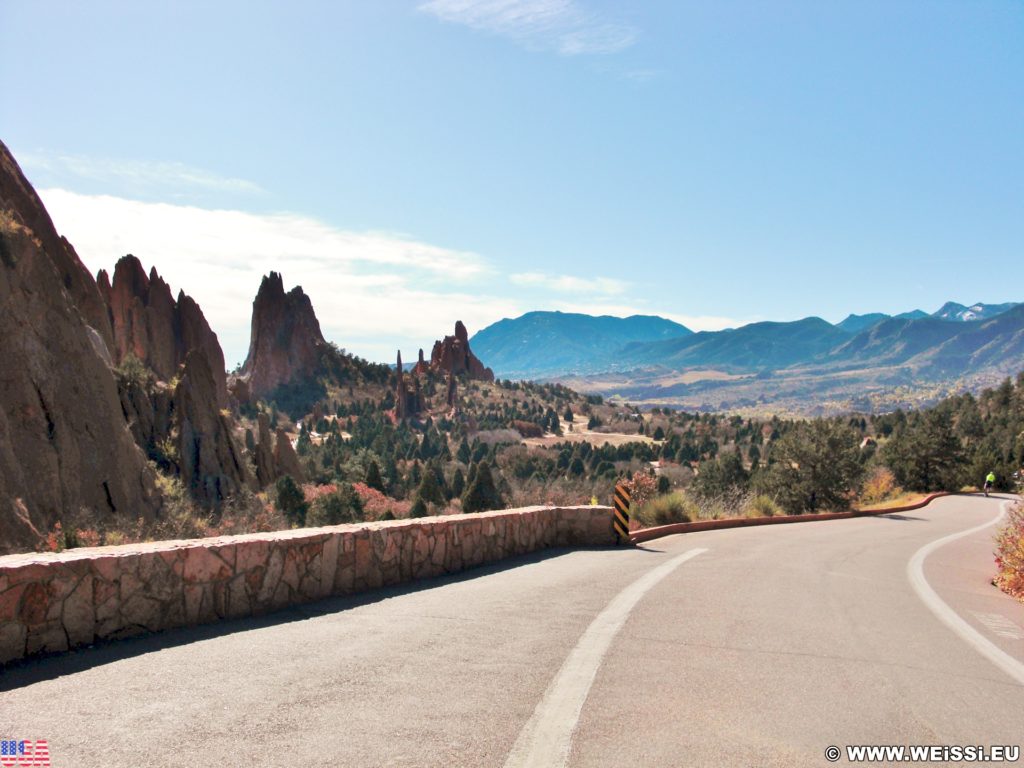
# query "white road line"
(545, 739)
(980, 643)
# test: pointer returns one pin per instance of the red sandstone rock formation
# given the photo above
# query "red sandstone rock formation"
(286, 346)
(263, 456)
(148, 323)
(274, 455)
(64, 444)
(452, 396)
(24, 205)
(421, 368)
(408, 397)
(285, 459)
(453, 355)
(210, 464)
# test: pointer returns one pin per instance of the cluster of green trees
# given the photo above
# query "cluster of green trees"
(801, 465)
(959, 441)
(806, 465)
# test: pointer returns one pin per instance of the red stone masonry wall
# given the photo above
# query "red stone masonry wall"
(53, 602)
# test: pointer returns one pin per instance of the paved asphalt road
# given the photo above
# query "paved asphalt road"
(745, 647)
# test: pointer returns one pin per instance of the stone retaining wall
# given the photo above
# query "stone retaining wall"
(53, 602)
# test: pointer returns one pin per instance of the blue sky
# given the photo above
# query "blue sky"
(411, 163)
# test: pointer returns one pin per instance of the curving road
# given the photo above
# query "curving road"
(757, 646)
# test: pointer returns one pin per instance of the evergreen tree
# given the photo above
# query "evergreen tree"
(754, 454)
(482, 494)
(429, 490)
(815, 466)
(722, 475)
(290, 501)
(419, 508)
(458, 482)
(373, 476)
(926, 455)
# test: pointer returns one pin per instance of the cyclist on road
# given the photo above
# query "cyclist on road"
(990, 480)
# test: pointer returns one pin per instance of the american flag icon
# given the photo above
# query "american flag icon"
(15, 753)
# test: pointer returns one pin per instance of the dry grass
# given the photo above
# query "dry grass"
(902, 499)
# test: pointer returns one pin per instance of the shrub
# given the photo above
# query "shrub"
(724, 474)
(671, 508)
(1010, 554)
(134, 373)
(762, 506)
(879, 486)
(341, 506)
(290, 501)
(642, 488)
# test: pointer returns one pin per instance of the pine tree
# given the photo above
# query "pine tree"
(373, 477)
(463, 454)
(482, 494)
(291, 502)
(428, 489)
(458, 482)
(419, 508)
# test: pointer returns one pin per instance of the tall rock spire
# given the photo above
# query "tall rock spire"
(286, 346)
(453, 355)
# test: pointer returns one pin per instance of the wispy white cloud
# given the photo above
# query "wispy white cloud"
(136, 174)
(570, 283)
(564, 26)
(371, 290)
(624, 309)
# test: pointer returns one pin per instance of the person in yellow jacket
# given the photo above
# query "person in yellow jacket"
(990, 480)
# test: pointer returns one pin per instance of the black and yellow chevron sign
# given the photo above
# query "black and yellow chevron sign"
(621, 518)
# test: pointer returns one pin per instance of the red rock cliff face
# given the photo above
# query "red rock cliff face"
(286, 345)
(21, 200)
(150, 324)
(64, 444)
(210, 463)
(453, 355)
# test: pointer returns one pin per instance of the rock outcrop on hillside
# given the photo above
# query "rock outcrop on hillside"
(286, 347)
(274, 455)
(150, 324)
(408, 396)
(64, 444)
(211, 465)
(453, 355)
(21, 201)
(422, 367)
(452, 393)
(286, 460)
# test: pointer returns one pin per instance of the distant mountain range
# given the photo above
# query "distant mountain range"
(555, 343)
(950, 341)
(873, 362)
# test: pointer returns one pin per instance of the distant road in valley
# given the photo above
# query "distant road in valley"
(745, 647)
